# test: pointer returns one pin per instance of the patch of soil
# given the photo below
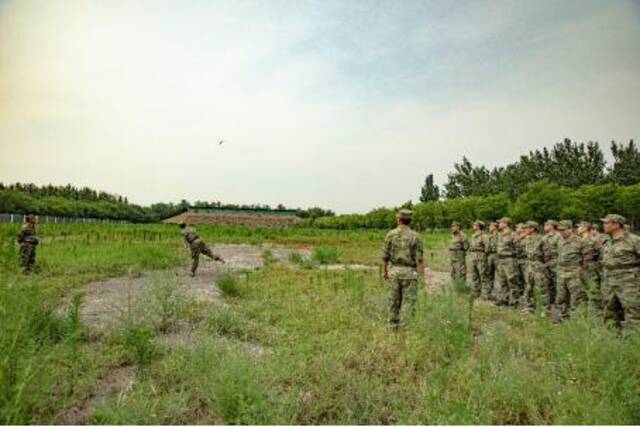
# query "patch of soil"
(435, 280)
(104, 302)
(117, 382)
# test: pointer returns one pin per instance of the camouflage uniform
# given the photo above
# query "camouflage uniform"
(571, 288)
(477, 265)
(536, 274)
(507, 275)
(403, 249)
(591, 255)
(197, 246)
(550, 247)
(621, 284)
(491, 263)
(28, 241)
(457, 251)
(521, 260)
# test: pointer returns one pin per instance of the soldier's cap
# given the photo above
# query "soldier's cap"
(495, 224)
(619, 219)
(479, 222)
(585, 224)
(531, 224)
(552, 222)
(566, 224)
(506, 220)
(455, 224)
(405, 214)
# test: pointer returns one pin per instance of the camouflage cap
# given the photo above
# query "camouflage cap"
(479, 223)
(493, 223)
(552, 222)
(405, 214)
(585, 224)
(531, 224)
(506, 220)
(455, 224)
(619, 219)
(566, 224)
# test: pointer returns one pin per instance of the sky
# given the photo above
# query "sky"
(345, 104)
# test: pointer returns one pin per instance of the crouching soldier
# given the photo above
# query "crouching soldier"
(28, 241)
(197, 247)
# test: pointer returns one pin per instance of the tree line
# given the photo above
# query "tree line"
(541, 201)
(569, 181)
(70, 201)
(567, 164)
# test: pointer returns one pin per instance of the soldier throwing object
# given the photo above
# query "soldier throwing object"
(197, 246)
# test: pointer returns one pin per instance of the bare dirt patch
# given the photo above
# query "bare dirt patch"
(116, 383)
(105, 302)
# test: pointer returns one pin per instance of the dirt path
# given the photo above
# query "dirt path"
(105, 302)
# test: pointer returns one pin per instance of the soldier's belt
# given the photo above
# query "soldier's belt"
(569, 264)
(535, 260)
(621, 267)
(457, 250)
(403, 265)
(506, 256)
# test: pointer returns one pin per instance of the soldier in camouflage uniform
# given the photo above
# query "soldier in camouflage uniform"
(457, 252)
(621, 280)
(572, 291)
(403, 250)
(521, 258)
(491, 257)
(197, 247)
(28, 240)
(507, 275)
(536, 270)
(477, 261)
(591, 255)
(550, 241)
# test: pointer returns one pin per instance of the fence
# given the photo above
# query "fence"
(46, 219)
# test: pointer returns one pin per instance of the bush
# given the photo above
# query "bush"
(326, 255)
(228, 284)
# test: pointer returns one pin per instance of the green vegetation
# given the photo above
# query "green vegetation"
(291, 345)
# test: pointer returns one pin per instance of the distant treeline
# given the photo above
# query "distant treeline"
(541, 201)
(70, 201)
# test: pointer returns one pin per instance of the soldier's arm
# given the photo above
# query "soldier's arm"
(419, 256)
(386, 256)
(465, 243)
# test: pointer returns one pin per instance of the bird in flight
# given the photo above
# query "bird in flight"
(221, 141)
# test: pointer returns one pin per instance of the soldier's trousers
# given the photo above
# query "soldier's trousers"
(506, 284)
(199, 247)
(458, 266)
(491, 274)
(536, 278)
(594, 289)
(621, 292)
(478, 274)
(552, 273)
(27, 257)
(572, 291)
(403, 293)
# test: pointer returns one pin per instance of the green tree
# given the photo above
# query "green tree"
(429, 192)
(626, 164)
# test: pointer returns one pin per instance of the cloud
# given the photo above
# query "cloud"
(347, 105)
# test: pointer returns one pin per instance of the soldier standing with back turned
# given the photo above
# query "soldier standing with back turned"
(403, 250)
(197, 247)
(28, 240)
(457, 252)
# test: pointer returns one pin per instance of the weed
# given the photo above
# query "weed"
(228, 284)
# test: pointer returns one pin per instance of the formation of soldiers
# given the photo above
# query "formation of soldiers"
(568, 267)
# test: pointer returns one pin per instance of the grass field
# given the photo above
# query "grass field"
(288, 345)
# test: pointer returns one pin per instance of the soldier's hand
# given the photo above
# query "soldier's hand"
(386, 275)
